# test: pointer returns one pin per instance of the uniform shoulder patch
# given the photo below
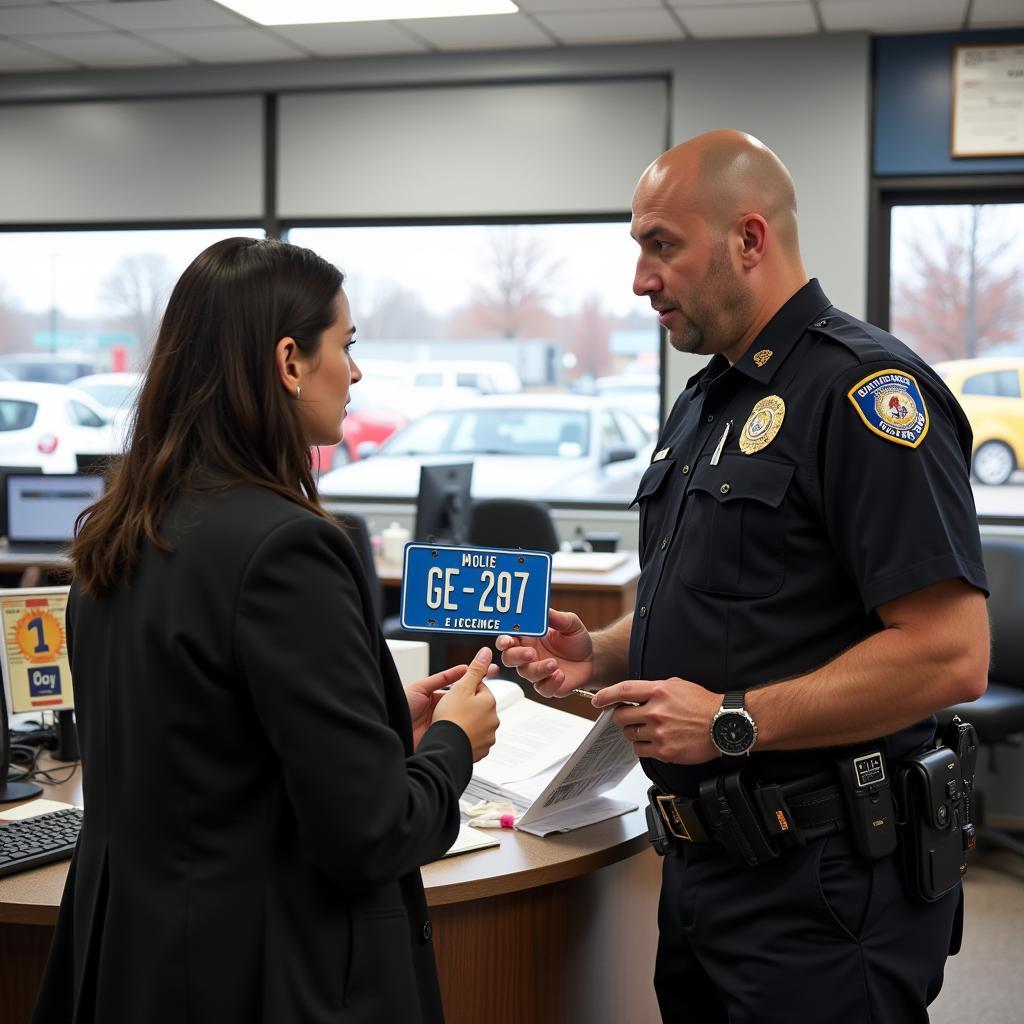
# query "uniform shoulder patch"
(891, 405)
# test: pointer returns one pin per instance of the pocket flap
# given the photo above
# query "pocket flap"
(655, 474)
(743, 478)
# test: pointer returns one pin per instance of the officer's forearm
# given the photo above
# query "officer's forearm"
(611, 652)
(932, 653)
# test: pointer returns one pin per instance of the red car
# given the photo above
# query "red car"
(366, 420)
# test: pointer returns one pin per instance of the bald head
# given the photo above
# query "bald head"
(723, 175)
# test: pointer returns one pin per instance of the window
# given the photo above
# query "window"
(74, 302)
(1001, 383)
(16, 415)
(957, 298)
(84, 416)
(502, 332)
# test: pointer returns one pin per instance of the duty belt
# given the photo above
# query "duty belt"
(753, 821)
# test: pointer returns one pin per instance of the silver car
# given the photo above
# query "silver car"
(551, 447)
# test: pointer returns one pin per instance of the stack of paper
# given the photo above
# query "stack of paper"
(552, 766)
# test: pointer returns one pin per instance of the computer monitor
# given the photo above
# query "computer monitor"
(41, 511)
(36, 672)
(5, 472)
(443, 503)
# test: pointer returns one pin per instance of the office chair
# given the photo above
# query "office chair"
(358, 532)
(512, 523)
(998, 715)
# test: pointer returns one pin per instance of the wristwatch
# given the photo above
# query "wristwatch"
(733, 731)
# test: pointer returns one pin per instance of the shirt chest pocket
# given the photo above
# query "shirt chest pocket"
(734, 526)
(651, 497)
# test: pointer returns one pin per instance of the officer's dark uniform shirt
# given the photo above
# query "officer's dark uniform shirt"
(846, 487)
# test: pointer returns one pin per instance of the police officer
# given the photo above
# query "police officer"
(812, 586)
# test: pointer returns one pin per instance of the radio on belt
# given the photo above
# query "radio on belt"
(475, 590)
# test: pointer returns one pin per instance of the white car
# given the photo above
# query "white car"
(117, 393)
(48, 425)
(549, 447)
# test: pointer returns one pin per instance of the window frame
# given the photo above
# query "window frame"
(931, 190)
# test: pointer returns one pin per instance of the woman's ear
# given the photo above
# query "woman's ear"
(286, 358)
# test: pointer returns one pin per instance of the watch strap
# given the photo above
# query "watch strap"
(733, 700)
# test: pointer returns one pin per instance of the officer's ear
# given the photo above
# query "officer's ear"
(752, 230)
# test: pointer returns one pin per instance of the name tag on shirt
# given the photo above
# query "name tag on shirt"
(475, 590)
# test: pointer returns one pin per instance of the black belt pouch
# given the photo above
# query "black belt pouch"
(931, 834)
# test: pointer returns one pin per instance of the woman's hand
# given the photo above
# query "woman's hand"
(425, 694)
(470, 705)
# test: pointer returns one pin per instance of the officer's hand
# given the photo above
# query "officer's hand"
(560, 661)
(672, 722)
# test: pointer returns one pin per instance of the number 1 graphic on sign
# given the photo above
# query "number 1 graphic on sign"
(42, 647)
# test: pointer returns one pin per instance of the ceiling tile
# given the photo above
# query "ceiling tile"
(356, 37)
(1001, 13)
(20, 58)
(640, 23)
(578, 6)
(105, 50)
(779, 19)
(147, 14)
(225, 45)
(882, 16)
(42, 20)
(490, 32)
(684, 4)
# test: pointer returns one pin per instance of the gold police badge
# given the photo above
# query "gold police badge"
(762, 424)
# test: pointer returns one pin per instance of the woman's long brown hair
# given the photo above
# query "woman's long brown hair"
(212, 407)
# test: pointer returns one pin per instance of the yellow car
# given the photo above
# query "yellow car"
(990, 390)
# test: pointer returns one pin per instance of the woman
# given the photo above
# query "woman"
(260, 792)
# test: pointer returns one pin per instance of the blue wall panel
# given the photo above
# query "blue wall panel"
(913, 104)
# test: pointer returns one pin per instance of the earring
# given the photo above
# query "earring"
(298, 391)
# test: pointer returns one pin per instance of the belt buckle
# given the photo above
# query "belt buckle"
(670, 815)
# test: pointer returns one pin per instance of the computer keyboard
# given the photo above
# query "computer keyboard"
(33, 841)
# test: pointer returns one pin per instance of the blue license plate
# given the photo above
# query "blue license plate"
(475, 590)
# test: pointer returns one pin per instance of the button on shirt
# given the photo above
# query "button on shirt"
(765, 559)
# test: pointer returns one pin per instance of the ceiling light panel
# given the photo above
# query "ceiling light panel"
(314, 12)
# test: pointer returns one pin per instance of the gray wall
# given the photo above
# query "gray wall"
(131, 161)
(553, 148)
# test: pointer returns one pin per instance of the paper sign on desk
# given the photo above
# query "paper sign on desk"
(35, 664)
(552, 766)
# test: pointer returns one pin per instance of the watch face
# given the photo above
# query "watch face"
(733, 733)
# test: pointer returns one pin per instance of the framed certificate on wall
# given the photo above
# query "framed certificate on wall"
(988, 100)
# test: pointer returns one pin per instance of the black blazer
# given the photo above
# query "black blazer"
(255, 816)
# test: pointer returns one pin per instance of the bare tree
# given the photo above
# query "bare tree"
(390, 311)
(960, 294)
(136, 291)
(512, 299)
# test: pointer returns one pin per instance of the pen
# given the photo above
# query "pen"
(619, 703)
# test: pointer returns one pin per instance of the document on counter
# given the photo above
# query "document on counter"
(552, 766)
(470, 839)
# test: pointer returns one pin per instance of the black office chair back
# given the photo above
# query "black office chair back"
(512, 523)
(358, 532)
(1004, 565)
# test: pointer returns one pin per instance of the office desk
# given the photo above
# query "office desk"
(599, 598)
(50, 559)
(539, 931)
